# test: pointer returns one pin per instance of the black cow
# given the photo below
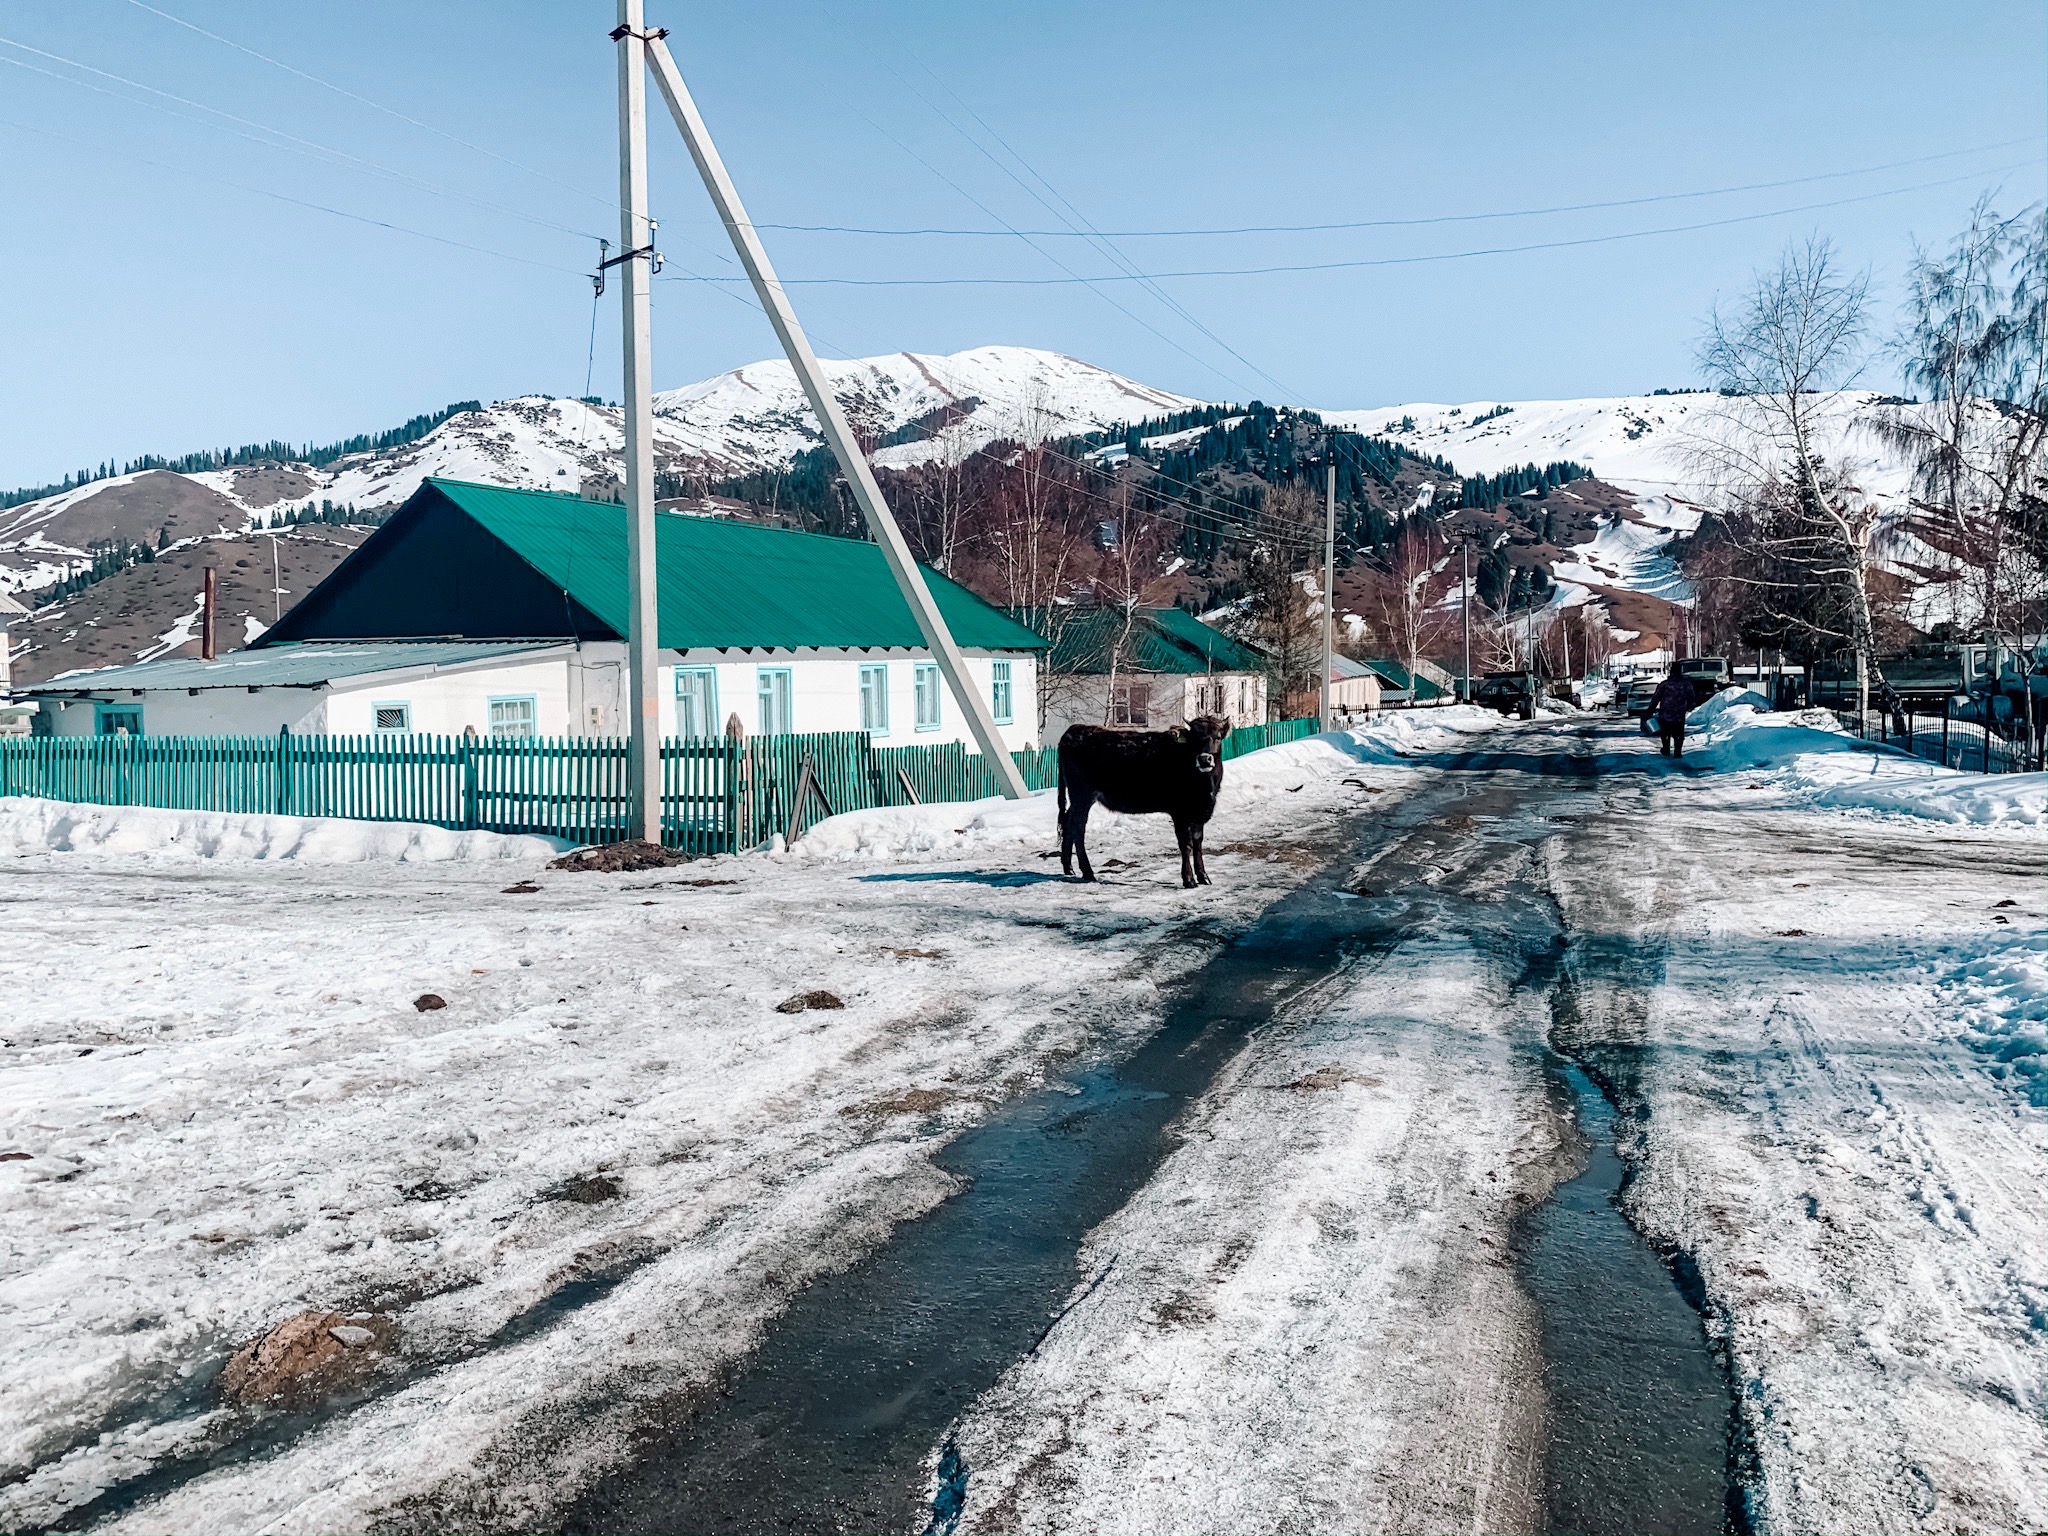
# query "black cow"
(1178, 773)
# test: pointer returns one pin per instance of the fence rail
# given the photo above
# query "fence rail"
(718, 794)
(1946, 738)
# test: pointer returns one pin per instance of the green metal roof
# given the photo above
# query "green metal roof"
(1415, 684)
(1162, 640)
(305, 665)
(724, 583)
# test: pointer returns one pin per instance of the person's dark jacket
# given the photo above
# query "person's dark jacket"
(1672, 701)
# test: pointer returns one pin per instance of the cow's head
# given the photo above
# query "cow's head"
(1207, 733)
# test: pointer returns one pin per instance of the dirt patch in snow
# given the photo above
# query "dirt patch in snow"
(309, 1356)
(620, 858)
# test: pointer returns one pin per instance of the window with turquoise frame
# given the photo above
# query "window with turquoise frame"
(118, 719)
(999, 693)
(515, 715)
(391, 716)
(874, 700)
(772, 690)
(696, 702)
(927, 696)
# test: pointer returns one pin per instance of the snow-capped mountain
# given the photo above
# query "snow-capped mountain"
(913, 408)
(754, 417)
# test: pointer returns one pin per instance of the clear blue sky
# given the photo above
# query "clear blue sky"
(151, 309)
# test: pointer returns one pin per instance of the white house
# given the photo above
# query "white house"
(499, 612)
(1152, 668)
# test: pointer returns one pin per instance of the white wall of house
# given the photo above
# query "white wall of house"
(210, 712)
(525, 697)
(1170, 699)
(581, 692)
(825, 693)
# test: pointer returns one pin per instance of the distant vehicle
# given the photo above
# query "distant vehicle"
(1596, 691)
(1707, 674)
(1512, 693)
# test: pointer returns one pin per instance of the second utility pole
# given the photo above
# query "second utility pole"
(1465, 592)
(1329, 582)
(636, 271)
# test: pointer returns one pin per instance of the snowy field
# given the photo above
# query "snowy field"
(1813, 975)
(583, 1184)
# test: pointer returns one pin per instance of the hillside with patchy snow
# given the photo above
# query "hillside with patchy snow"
(912, 407)
(754, 417)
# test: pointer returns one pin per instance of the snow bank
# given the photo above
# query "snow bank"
(58, 826)
(2003, 998)
(957, 829)
(1808, 754)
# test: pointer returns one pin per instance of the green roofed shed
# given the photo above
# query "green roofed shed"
(479, 562)
(1161, 640)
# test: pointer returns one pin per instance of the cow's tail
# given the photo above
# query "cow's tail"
(1063, 790)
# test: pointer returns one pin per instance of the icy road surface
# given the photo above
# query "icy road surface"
(580, 1189)
(1808, 1021)
(584, 1191)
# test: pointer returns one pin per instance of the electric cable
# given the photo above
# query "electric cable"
(1407, 223)
(284, 197)
(290, 141)
(379, 106)
(1100, 242)
(1284, 269)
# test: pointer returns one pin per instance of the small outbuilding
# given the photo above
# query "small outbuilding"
(1354, 687)
(503, 613)
(1147, 668)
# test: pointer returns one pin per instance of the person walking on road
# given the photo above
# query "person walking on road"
(1670, 704)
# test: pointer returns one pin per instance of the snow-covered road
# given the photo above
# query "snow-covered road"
(1312, 1322)
(580, 1193)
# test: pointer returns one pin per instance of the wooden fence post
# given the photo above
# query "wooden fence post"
(469, 795)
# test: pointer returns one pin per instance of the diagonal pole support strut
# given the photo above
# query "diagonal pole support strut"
(852, 462)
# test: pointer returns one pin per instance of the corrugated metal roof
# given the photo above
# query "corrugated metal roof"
(287, 666)
(1162, 640)
(1417, 684)
(725, 583)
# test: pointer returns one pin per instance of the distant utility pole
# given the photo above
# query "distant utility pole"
(276, 584)
(1465, 601)
(636, 272)
(860, 476)
(1329, 581)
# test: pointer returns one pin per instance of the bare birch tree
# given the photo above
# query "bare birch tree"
(1778, 354)
(1975, 339)
(1401, 594)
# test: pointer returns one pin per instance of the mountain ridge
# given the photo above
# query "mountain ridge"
(911, 409)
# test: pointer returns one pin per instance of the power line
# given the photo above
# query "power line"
(292, 141)
(282, 197)
(1042, 251)
(1072, 214)
(379, 106)
(1407, 223)
(1379, 261)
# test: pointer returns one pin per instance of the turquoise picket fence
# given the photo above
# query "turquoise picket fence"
(718, 794)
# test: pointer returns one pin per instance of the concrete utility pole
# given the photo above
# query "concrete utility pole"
(636, 272)
(852, 462)
(1329, 584)
(1465, 596)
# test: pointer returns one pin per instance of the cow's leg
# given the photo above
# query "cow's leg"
(1201, 869)
(1067, 841)
(1077, 820)
(1184, 834)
